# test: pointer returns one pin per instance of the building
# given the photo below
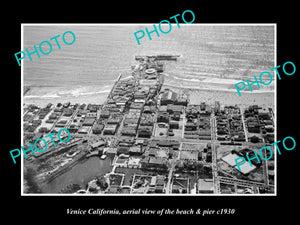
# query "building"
(97, 129)
(104, 114)
(73, 128)
(126, 141)
(208, 157)
(245, 168)
(97, 144)
(152, 152)
(163, 117)
(171, 108)
(91, 115)
(135, 150)
(163, 108)
(83, 130)
(129, 130)
(253, 127)
(264, 113)
(140, 95)
(154, 163)
(88, 122)
(110, 129)
(158, 163)
(122, 150)
(180, 185)
(82, 112)
(217, 107)
(111, 152)
(144, 162)
(121, 162)
(169, 97)
(173, 125)
(148, 109)
(93, 108)
(181, 101)
(189, 155)
(114, 119)
(146, 120)
(204, 133)
(145, 131)
(205, 186)
(134, 162)
(153, 181)
(190, 126)
(160, 184)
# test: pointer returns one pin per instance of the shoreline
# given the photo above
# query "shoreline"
(196, 96)
(80, 95)
(98, 99)
(193, 88)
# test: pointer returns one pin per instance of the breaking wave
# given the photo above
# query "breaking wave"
(51, 93)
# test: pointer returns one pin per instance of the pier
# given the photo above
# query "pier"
(157, 57)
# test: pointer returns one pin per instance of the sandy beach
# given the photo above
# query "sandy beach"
(54, 95)
(42, 102)
(197, 96)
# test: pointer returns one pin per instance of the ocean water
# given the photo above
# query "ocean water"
(213, 57)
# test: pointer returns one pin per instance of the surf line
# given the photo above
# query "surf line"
(269, 74)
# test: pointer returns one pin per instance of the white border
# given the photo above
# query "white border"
(146, 24)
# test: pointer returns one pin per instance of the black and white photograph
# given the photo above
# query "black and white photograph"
(180, 114)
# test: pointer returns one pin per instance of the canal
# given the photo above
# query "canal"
(81, 174)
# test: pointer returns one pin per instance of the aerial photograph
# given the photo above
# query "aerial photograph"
(162, 117)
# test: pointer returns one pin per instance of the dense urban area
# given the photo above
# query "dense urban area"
(153, 139)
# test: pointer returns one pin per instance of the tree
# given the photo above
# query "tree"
(100, 181)
(71, 188)
(29, 176)
(254, 139)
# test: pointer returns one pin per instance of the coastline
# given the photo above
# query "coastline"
(196, 96)
(226, 97)
(42, 102)
(210, 90)
(41, 96)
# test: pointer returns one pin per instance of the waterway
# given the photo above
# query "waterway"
(80, 174)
